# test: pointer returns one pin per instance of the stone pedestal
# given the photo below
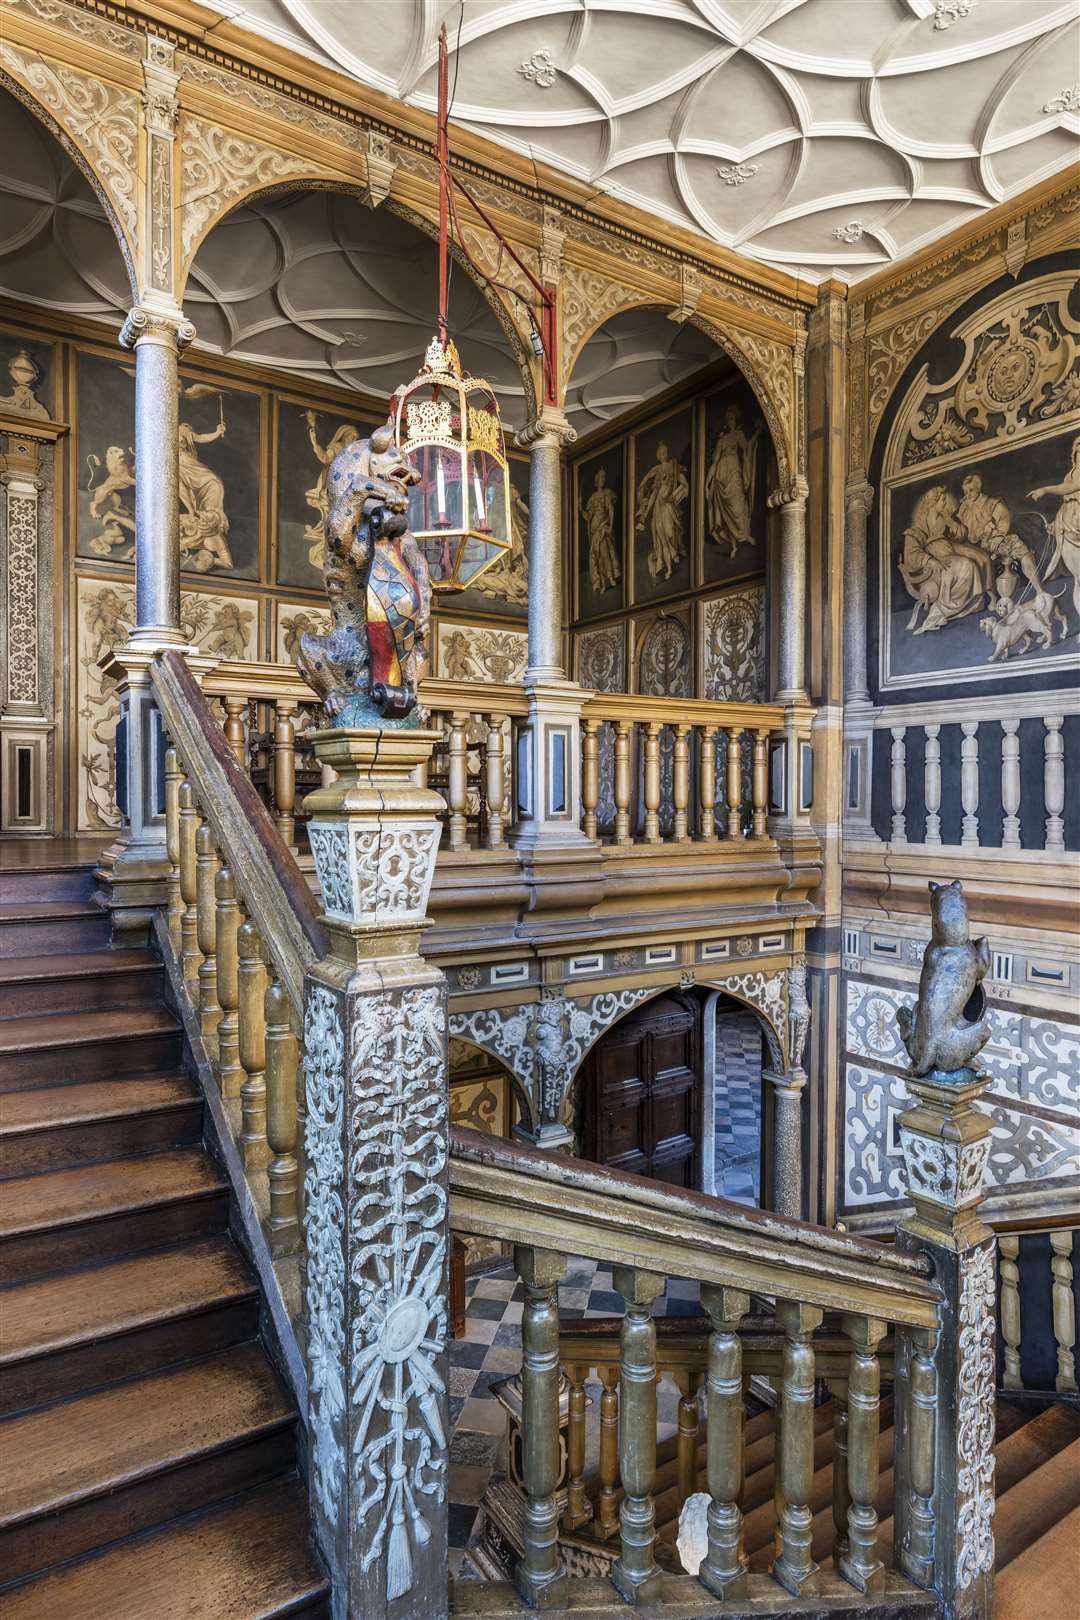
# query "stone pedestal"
(375, 1187)
(945, 1380)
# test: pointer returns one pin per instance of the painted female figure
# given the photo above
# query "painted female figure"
(945, 573)
(661, 496)
(600, 528)
(729, 482)
(1065, 527)
(204, 522)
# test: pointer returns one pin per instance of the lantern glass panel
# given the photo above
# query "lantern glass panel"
(435, 503)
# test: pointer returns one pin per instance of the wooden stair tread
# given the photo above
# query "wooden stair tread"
(44, 1032)
(1028, 1445)
(47, 910)
(94, 1444)
(1033, 1506)
(1042, 1580)
(78, 1307)
(74, 964)
(247, 1560)
(76, 1103)
(92, 1192)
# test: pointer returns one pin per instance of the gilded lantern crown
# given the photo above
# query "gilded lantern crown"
(449, 426)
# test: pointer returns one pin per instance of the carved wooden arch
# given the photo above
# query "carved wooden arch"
(587, 308)
(517, 1085)
(48, 112)
(773, 1035)
(308, 179)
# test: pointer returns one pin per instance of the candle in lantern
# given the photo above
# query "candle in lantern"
(440, 487)
(481, 509)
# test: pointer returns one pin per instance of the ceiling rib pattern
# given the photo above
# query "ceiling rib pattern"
(827, 137)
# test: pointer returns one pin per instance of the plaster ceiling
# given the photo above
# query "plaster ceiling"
(310, 283)
(827, 137)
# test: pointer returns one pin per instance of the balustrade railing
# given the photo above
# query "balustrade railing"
(989, 779)
(1038, 1312)
(273, 988)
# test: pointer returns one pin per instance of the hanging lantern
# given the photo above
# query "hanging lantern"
(450, 428)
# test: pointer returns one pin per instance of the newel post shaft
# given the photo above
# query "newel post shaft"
(375, 1187)
(945, 1376)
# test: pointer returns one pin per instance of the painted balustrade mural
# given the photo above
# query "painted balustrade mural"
(973, 635)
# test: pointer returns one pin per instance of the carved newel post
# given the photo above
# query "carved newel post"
(375, 1189)
(946, 1378)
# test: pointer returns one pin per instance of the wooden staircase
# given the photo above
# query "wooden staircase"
(150, 1445)
(1037, 1479)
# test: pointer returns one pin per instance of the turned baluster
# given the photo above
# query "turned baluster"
(590, 775)
(190, 954)
(707, 784)
(175, 909)
(457, 749)
(917, 1549)
(635, 1574)
(607, 1517)
(898, 784)
(578, 1510)
(734, 781)
(680, 784)
(496, 780)
(252, 997)
(623, 735)
(652, 781)
(1054, 782)
(686, 1466)
(283, 1175)
(235, 715)
(540, 1576)
(1009, 1270)
(206, 870)
(969, 784)
(932, 784)
(794, 1568)
(760, 781)
(1010, 784)
(229, 916)
(860, 1565)
(841, 1495)
(285, 767)
(723, 1569)
(1061, 1245)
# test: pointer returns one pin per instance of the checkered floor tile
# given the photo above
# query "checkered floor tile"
(738, 1108)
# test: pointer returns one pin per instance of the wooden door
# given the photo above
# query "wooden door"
(642, 1094)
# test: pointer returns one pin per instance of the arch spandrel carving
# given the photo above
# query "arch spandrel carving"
(99, 124)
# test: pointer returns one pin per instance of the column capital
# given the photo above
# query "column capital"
(788, 1083)
(859, 496)
(793, 495)
(145, 325)
(550, 427)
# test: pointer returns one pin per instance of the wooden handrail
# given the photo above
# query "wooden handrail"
(502, 1190)
(682, 1343)
(685, 711)
(264, 869)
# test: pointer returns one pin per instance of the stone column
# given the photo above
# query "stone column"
(791, 659)
(858, 502)
(945, 1378)
(157, 340)
(375, 1187)
(547, 768)
(788, 1086)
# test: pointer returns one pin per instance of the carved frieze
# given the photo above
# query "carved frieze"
(219, 167)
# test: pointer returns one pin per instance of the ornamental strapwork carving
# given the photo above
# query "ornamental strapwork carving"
(378, 875)
(975, 1418)
(218, 168)
(1020, 369)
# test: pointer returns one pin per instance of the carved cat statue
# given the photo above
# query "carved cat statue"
(937, 1032)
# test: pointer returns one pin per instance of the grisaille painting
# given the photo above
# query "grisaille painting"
(663, 507)
(219, 460)
(504, 588)
(738, 453)
(599, 497)
(26, 377)
(308, 441)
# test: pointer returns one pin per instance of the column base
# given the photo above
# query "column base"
(552, 1137)
(131, 887)
(635, 1590)
(548, 1594)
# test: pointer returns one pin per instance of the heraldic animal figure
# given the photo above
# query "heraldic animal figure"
(368, 491)
(938, 1032)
